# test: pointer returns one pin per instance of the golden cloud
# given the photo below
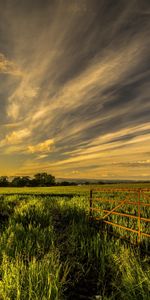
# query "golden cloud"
(15, 137)
(9, 67)
(44, 147)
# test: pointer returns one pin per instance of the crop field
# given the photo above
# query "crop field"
(50, 248)
(126, 209)
(68, 189)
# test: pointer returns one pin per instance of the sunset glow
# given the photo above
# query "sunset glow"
(74, 88)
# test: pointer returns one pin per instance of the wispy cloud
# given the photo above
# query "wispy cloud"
(75, 93)
(43, 147)
(9, 67)
(16, 137)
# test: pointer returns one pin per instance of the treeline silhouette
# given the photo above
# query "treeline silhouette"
(39, 179)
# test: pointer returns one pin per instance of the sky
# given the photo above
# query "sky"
(74, 88)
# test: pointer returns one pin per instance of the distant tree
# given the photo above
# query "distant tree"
(4, 181)
(40, 179)
(20, 181)
(16, 182)
(64, 183)
(44, 179)
(25, 181)
(33, 182)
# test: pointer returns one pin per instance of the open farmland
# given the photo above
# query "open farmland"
(50, 249)
(68, 189)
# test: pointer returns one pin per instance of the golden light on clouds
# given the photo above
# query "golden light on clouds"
(9, 67)
(15, 137)
(74, 89)
(44, 147)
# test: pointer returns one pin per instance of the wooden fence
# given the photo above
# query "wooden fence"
(138, 195)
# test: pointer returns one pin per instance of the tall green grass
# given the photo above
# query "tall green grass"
(49, 249)
(114, 198)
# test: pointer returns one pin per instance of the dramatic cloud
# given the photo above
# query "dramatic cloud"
(41, 147)
(8, 67)
(74, 88)
(15, 137)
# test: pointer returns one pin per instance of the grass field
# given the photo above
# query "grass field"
(68, 189)
(49, 249)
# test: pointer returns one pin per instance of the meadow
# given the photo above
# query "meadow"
(51, 249)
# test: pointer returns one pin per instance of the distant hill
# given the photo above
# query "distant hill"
(103, 181)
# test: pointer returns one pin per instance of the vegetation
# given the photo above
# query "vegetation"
(39, 179)
(48, 180)
(49, 249)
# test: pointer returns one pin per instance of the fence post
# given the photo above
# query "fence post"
(91, 203)
(139, 216)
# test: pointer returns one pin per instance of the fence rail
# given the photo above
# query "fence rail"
(139, 194)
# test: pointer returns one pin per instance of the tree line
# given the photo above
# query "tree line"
(39, 179)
